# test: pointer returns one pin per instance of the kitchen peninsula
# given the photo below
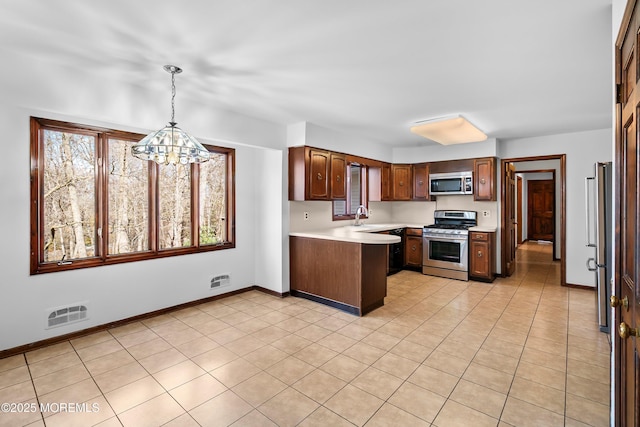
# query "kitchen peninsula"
(344, 267)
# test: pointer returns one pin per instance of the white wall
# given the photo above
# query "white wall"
(437, 152)
(583, 149)
(313, 135)
(121, 291)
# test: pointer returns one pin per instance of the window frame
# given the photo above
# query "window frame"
(102, 257)
(364, 193)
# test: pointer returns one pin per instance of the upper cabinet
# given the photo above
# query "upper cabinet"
(338, 176)
(402, 182)
(315, 174)
(385, 182)
(484, 172)
(421, 181)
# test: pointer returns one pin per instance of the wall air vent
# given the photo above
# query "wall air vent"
(220, 281)
(65, 315)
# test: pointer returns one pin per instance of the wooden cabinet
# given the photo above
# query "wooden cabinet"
(421, 181)
(385, 181)
(401, 181)
(413, 248)
(484, 179)
(316, 174)
(338, 176)
(482, 256)
(318, 181)
(345, 275)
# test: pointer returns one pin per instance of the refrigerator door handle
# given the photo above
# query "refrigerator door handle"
(588, 214)
(595, 266)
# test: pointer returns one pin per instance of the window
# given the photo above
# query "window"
(356, 193)
(93, 203)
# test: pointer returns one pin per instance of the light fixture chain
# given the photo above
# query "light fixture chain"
(173, 96)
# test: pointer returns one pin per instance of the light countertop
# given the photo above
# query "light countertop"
(366, 233)
(483, 229)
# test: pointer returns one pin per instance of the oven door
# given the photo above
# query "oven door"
(442, 251)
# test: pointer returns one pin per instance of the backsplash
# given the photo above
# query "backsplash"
(413, 213)
(466, 203)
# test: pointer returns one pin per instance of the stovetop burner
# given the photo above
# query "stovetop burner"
(450, 226)
(453, 220)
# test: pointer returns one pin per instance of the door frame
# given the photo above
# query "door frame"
(563, 210)
(519, 206)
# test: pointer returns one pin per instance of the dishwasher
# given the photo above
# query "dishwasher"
(396, 252)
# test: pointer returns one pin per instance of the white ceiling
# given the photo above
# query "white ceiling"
(515, 68)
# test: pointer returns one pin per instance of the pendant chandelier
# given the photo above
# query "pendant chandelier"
(170, 145)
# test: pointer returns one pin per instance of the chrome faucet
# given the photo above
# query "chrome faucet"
(360, 211)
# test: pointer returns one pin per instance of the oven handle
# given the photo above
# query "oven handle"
(462, 238)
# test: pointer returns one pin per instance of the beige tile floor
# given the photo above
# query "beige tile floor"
(522, 351)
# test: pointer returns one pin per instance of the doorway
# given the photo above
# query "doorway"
(510, 221)
(541, 210)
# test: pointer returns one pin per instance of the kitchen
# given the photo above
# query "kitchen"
(447, 239)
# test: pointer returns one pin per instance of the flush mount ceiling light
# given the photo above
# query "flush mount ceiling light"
(171, 145)
(449, 130)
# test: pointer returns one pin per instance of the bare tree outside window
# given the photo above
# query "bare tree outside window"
(175, 206)
(128, 190)
(69, 196)
(213, 201)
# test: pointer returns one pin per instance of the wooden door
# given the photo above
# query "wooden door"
(385, 180)
(509, 237)
(519, 210)
(540, 210)
(627, 289)
(318, 174)
(483, 180)
(402, 182)
(420, 181)
(338, 176)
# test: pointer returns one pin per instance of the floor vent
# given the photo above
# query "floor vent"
(65, 315)
(220, 281)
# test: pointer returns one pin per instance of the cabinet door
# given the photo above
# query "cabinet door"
(338, 174)
(386, 181)
(484, 181)
(413, 251)
(420, 181)
(401, 180)
(480, 259)
(318, 175)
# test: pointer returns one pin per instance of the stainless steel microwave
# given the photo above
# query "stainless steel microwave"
(451, 183)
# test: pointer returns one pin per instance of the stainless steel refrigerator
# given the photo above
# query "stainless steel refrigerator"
(599, 220)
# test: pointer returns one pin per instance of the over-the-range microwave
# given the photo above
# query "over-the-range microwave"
(451, 183)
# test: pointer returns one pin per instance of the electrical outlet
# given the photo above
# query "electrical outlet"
(370, 213)
(306, 216)
(486, 214)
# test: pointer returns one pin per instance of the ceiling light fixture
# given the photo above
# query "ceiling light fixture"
(449, 130)
(171, 145)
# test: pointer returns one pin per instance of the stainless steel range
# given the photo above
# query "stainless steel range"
(446, 244)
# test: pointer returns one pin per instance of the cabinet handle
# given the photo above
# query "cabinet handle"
(479, 254)
(401, 183)
(338, 178)
(319, 176)
(420, 182)
(413, 248)
(482, 180)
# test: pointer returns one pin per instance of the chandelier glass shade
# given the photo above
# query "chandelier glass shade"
(170, 145)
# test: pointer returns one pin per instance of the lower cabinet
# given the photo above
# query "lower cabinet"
(482, 258)
(413, 248)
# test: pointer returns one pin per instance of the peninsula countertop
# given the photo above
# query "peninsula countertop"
(365, 233)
